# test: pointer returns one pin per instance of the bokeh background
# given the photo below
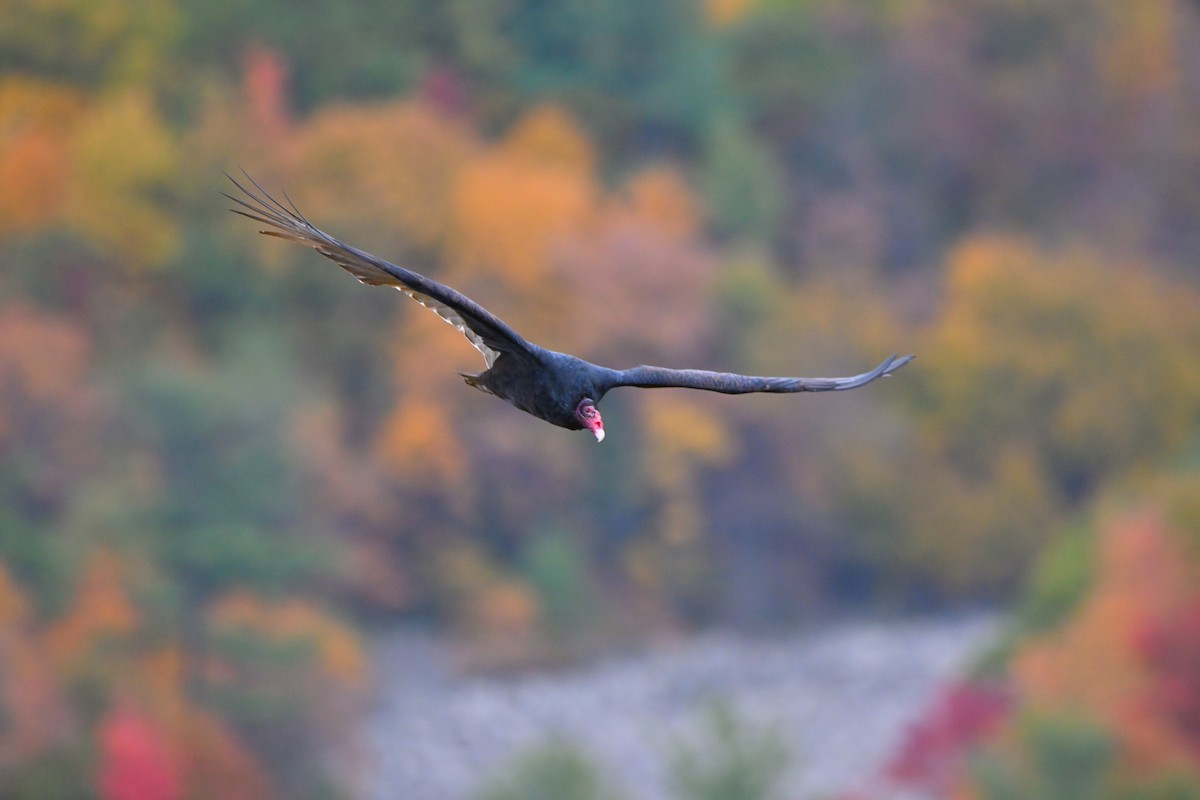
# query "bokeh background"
(225, 467)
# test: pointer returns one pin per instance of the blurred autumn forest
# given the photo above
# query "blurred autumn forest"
(221, 459)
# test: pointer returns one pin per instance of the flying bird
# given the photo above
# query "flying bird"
(556, 387)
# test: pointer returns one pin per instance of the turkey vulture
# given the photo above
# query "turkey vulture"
(556, 387)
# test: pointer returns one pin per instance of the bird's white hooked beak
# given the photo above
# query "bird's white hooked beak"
(589, 417)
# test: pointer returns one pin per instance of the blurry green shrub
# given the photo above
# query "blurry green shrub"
(732, 760)
(553, 771)
(743, 183)
(556, 566)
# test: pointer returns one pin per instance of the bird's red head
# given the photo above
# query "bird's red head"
(589, 417)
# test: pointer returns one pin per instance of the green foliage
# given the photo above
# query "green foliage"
(337, 49)
(622, 65)
(229, 506)
(732, 761)
(1067, 759)
(555, 771)
(59, 773)
(1060, 579)
(95, 44)
(557, 567)
(1168, 786)
(742, 181)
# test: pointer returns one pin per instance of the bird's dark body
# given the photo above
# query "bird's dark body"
(551, 386)
(548, 385)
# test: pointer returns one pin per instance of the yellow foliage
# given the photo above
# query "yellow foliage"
(460, 569)
(547, 136)
(124, 160)
(339, 655)
(398, 161)
(28, 102)
(1140, 55)
(957, 532)
(682, 435)
(1097, 363)
(723, 13)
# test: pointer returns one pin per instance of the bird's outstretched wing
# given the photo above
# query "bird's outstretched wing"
(730, 383)
(487, 332)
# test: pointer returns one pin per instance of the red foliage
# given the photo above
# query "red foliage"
(931, 755)
(1170, 646)
(264, 85)
(134, 762)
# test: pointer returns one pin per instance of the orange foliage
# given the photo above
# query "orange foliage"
(644, 245)
(417, 444)
(217, 765)
(14, 608)
(723, 13)
(505, 609)
(509, 212)
(102, 612)
(34, 175)
(31, 704)
(1091, 666)
(41, 357)
(662, 198)
(513, 206)
(34, 171)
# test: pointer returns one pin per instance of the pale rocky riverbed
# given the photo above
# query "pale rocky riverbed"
(839, 697)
